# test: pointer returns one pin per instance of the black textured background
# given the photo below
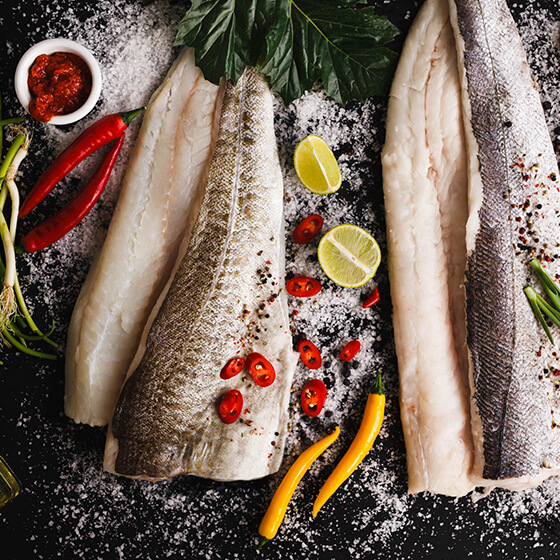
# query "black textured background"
(213, 520)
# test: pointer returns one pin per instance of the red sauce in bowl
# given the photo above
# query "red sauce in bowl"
(59, 83)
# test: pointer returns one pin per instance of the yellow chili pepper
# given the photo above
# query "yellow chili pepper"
(277, 509)
(369, 428)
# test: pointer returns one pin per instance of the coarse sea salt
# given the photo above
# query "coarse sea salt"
(135, 51)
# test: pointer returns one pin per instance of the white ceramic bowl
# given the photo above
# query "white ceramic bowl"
(50, 46)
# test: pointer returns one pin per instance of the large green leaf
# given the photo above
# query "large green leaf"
(227, 35)
(298, 44)
(311, 40)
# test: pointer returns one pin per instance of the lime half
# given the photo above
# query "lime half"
(349, 255)
(316, 166)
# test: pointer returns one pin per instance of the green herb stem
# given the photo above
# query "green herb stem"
(532, 296)
(16, 344)
(23, 336)
(550, 287)
(13, 150)
(1, 131)
(12, 120)
(24, 311)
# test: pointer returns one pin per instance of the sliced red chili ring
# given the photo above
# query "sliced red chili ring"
(303, 286)
(261, 370)
(307, 229)
(372, 299)
(232, 368)
(309, 353)
(231, 404)
(313, 397)
(350, 350)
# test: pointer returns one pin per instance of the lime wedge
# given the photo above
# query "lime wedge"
(349, 255)
(316, 166)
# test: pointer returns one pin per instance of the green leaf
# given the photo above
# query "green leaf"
(227, 35)
(310, 41)
(337, 42)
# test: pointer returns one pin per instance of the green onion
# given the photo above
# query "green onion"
(13, 120)
(16, 344)
(532, 296)
(15, 318)
(547, 282)
(539, 304)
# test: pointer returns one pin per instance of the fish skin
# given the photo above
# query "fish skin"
(166, 420)
(158, 202)
(508, 440)
(504, 121)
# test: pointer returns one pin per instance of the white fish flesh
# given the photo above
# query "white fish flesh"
(159, 200)
(425, 187)
(226, 299)
(476, 407)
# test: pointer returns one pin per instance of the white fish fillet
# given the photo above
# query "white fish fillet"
(433, 193)
(226, 299)
(159, 200)
(425, 186)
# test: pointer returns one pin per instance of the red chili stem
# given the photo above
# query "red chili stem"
(90, 140)
(127, 116)
(57, 226)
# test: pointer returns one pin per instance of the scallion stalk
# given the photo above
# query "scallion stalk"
(532, 296)
(547, 282)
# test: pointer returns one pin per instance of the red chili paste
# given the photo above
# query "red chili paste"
(59, 84)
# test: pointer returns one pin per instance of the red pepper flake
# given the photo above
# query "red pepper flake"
(350, 350)
(372, 299)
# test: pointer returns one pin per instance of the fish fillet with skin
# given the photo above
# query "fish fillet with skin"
(512, 187)
(159, 199)
(476, 414)
(226, 299)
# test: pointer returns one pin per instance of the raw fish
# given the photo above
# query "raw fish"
(425, 186)
(468, 168)
(227, 298)
(159, 200)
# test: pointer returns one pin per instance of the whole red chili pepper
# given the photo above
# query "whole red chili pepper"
(64, 220)
(91, 139)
